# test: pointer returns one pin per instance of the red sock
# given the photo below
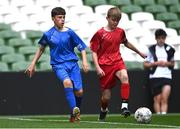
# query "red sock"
(125, 89)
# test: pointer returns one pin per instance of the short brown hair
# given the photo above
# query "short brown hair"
(58, 11)
(114, 12)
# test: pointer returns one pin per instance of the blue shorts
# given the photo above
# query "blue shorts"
(69, 70)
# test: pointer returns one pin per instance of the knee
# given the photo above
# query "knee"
(79, 93)
(106, 97)
(124, 79)
(164, 100)
(67, 83)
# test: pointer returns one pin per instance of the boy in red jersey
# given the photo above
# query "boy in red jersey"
(105, 46)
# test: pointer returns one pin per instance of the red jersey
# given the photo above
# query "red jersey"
(107, 45)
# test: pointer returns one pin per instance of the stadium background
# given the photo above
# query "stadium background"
(22, 23)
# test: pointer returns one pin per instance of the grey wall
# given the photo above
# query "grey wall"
(43, 94)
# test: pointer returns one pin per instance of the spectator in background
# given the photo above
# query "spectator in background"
(160, 62)
(62, 40)
(105, 46)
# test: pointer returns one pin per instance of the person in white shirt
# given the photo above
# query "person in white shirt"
(160, 63)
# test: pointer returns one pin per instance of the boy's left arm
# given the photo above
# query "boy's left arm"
(132, 47)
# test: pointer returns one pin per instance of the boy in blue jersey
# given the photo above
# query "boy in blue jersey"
(62, 40)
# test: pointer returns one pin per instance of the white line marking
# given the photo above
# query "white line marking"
(93, 122)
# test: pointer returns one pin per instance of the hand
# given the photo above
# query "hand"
(162, 63)
(143, 55)
(100, 72)
(30, 70)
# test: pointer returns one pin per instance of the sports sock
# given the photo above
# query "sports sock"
(70, 97)
(124, 105)
(158, 113)
(125, 89)
(78, 101)
(163, 113)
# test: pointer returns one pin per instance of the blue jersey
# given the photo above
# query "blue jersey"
(62, 44)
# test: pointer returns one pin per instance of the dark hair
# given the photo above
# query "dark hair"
(58, 11)
(160, 32)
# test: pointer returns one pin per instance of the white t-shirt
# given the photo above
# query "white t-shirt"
(161, 55)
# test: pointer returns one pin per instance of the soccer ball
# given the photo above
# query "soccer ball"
(143, 115)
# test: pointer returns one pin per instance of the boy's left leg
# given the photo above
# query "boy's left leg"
(124, 91)
(78, 97)
(78, 89)
(166, 90)
(125, 88)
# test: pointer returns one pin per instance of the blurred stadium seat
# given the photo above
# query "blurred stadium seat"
(44, 58)
(119, 3)
(167, 17)
(2, 42)
(171, 32)
(175, 25)
(143, 3)
(19, 66)
(175, 9)
(80, 10)
(153, 25)
(94, 3)
(70, 3)
(33, 35)
(3, 67)
(142, 17)
(134, 65)
(45, 66)
(21, 3)
(6, 50)
(154, 9)
(11, 58)
(102, 9)
(27, 50)
(8, 34)
(18, 42)
(4, 26)
(168, 2)
(129, 9)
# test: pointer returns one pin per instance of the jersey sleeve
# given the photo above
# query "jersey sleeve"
(43, 40)
(77, 41)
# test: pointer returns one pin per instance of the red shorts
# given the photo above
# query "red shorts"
(109, 80)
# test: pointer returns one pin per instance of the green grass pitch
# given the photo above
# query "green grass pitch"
(87, 121)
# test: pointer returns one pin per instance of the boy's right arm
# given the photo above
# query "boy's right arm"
(31, 68)
(100, 72)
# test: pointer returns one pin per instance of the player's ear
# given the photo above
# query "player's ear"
(107, 17)
(52, 18)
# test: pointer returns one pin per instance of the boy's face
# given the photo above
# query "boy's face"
(59, 21)
(113, 22)
(160, 40)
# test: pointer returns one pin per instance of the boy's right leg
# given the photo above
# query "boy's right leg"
(70, 97)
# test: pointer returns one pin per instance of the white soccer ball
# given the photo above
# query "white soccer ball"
(143, 115)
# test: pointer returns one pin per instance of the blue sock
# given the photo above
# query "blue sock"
(70, 97)
(78, 101)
